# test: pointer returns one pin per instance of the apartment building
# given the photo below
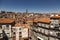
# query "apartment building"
(46, 28)
(17, 31)
(14, 31)
(6, 26)
(20, 32)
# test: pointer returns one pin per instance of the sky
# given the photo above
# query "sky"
(42, 6)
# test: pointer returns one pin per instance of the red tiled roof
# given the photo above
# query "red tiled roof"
(18, 25)
(36, 20)
(22, 25)
(6, 20)
(31, 20)
(47, 20)
(26, 25)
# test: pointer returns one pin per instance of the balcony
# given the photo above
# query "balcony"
(48, 35)
(58, 35)
(0, 30)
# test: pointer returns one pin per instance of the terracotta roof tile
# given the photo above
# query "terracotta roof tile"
(47, 20)
(30, 20)
(18, 25)
(6, 20)
(22, 25)
(36, 20)
(26, 25)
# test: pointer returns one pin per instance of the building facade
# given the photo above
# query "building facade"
(46, 28)
(6, 26)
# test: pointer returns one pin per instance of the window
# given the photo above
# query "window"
(19, 28)
(47, 26)
(46, 32)
(20, 32)
(58, 34)
(14, 29)
(0, 26)
(51, 26)
(39, 39)
(0, 35)
(43, 25)
(3, 26)
(14, 33)
(7, 27)
(42, 30)
(38, 29)
(54, 21)
(56, 25)
(39, 24)
(51, 32)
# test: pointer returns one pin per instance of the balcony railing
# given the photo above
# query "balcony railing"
(48, 35)
(55, 29)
